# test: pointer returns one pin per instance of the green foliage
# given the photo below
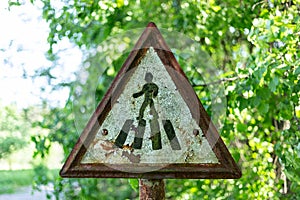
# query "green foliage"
(9, 145)
(14, 3)
(12, 131)
(12, 180)
(255, 48)
(83, 188)
(134, 183)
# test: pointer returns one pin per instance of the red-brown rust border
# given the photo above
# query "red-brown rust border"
(227, 168)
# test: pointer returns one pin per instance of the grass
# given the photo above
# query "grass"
(12, 180)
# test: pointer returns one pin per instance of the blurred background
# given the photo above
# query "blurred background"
(57, 59)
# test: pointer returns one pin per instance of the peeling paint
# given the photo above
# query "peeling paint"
(169, 105)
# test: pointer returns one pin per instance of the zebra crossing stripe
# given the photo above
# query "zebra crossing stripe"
(138, 139)
(120, 140)
(155, 134)
(169, 129)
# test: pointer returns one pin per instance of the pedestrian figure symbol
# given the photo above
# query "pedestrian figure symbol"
(150, 92)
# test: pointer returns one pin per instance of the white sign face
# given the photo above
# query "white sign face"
(149, 123)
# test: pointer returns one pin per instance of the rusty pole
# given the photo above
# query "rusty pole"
(153, 189)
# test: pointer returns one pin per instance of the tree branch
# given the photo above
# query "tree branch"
(220, 81)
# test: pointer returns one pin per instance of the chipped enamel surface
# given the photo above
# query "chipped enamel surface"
(169, 105)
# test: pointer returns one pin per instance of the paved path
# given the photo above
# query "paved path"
(25, 194)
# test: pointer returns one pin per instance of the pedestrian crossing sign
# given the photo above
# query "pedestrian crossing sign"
(150, 124)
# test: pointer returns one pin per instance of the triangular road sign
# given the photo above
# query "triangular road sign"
(150, 124)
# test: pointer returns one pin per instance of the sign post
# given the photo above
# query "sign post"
(150, 125)
(152, 189)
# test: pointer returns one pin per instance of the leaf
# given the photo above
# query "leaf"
(286, 111)
(236, 156)
(216, 8)
(297, 71)
(13, 3)
(120, 3)
(273, 84)
(264, 93)
(134, 183)
(255, 101)
(292, 174)
(243, 103)
(226, 74)
(259, 72)
(241, 127)
(263, 108)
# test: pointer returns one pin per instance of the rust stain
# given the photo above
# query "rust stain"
(95, 142)
(152, 189)
(107, 145)
(127, 147)
(108, 154)
(133, 158)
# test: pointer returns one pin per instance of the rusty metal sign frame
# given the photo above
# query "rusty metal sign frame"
(226, 168)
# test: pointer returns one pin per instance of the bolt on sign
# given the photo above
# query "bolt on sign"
(150, 124)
